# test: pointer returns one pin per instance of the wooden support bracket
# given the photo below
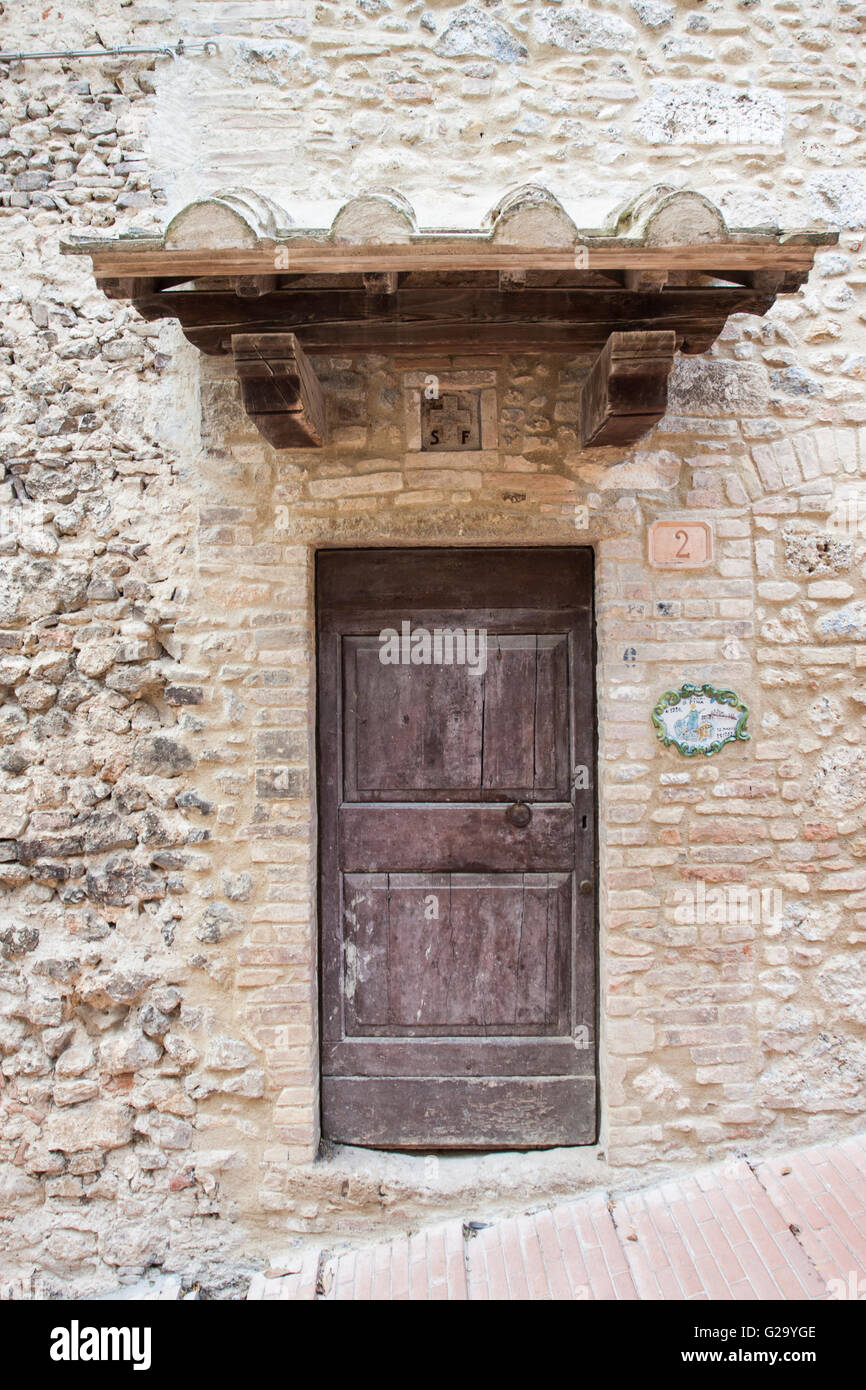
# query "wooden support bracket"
(254, 286)
(645, 281)
(627, 388)
(381, 282)
(137, 286)
(512, 280)
(281, 392)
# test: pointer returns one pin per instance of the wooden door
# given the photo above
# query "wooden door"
(457, 848)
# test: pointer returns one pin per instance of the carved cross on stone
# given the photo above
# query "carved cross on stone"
(451, 421)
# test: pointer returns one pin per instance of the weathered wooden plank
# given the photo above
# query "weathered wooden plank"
(511, 280)
(766, 280)
(482, 321)
(294, 308)
(428, 990)
(533, 580)
(509, 713)
(455, 955)
(323, 257)
(626, 392)
(366, 950)
(514, 623)
(476, 340)
(455, 1113)
(641, 281)
(381, 281)
(425, 733)
(280, 390)
(542, 990)
(444, 838)
(254, 286)
(551, 718)
(443, 1056)
(410, 729)
(329, 788)
(138, 286)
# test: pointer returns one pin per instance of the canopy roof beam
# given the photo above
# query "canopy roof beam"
(663, 276)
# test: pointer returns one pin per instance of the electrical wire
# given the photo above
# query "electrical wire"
(207, 47)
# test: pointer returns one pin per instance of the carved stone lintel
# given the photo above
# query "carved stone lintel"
(627, 388)
(280, 390)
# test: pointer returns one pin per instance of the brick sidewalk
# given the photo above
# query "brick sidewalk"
(759, 1229)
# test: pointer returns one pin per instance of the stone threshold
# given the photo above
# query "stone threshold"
(788, 1227)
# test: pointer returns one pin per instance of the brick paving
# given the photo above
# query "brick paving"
(779, 1228)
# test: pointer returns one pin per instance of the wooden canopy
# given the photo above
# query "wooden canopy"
(662, 277)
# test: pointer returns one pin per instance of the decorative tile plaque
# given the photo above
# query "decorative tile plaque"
(680, 545)
(699, 719)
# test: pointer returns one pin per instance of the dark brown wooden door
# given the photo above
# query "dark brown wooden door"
(457, 848)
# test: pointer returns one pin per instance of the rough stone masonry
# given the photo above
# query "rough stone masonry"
(157, 816)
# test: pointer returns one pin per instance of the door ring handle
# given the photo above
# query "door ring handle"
(519, 815)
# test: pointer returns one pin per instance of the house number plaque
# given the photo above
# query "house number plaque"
(680, 545)
(699, 719)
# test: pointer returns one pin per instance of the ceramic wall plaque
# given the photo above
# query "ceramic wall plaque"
(680, 545)
(699, 719)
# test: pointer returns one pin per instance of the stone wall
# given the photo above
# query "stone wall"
(157, 812)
